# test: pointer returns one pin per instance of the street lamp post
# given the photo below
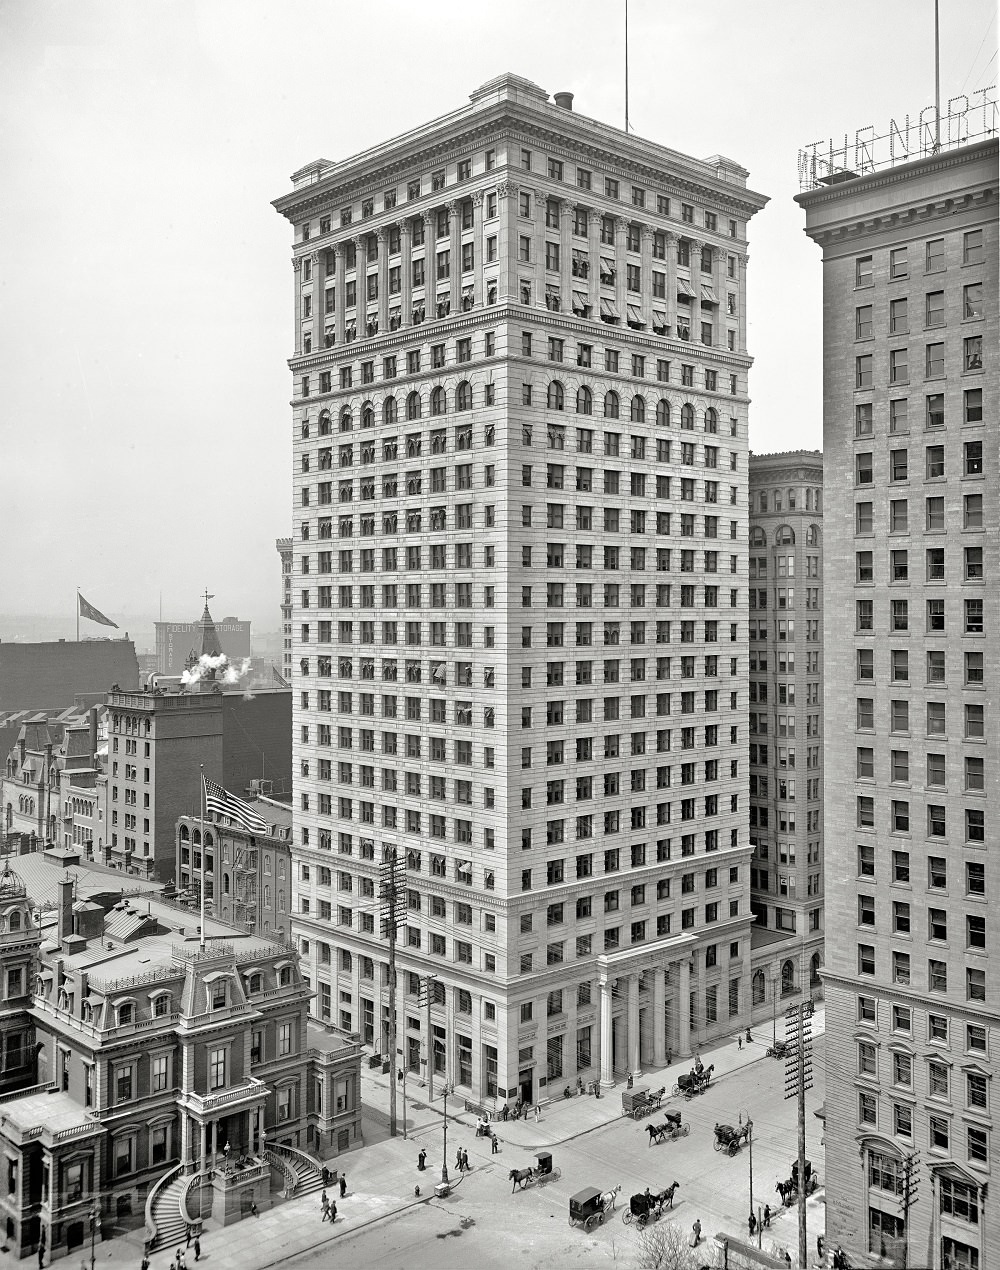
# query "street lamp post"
(774, 1010)
(750, 1144)
(95, 1224)
(447, 1089)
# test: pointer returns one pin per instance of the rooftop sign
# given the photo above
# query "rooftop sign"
(967, 118)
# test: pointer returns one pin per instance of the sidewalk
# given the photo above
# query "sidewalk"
(565, 1118)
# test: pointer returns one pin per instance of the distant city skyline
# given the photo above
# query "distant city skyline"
(144, 281)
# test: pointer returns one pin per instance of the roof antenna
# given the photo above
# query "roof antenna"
(627, 62)
(937, 81)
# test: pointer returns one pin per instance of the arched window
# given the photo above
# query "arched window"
(711, 420)
(757, 987)
(209, 840)
(763, 500)
(346, 421)
(784, 536)
(687, 416)
(324, 423)
(125, 1013)
(663, 413)
(611, 406)
(196, 838)
(367, 415)
(638, 412)
(439, 401)
(584, 401)
(389, 410)
(555, 398)
(777, 500)
(185, 833)
(787, 977)
(15, 920)
(812, 536)
(818, 500)
(757, 537)
(815, 962)
(791, 500)
(809, 499)
(225, 884)
(413, 406)
(463, 396)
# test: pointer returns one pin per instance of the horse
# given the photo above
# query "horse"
(665, 1199)
(608, 1198)
(520, 1177)
(705, 1075)
(657, 1131)
(785, 1190)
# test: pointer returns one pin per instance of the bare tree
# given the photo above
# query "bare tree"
(665, 1247)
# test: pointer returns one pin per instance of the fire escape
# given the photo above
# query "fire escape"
(245, 887)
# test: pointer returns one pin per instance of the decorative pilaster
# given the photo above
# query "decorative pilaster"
(593, 287)
(455, 255)
(340, 292)
(507, 196)
(566, 256)
(317, 302)
(383, 279)
(406, 269)
(659, 1017)
(297, 303)
(646, 259)
(360, 286)
(621, 239)
(478, 249)
(671, 267)
(719, 287)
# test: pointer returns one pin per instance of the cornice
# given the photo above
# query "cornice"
(386, 163)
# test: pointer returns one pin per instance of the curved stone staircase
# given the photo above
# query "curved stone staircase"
(302, 1172)
(166, 1215)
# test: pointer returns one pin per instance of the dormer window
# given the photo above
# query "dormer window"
(125, 1013)
(219, 999)
(254, 983)
(285, 976)
(161, 1005)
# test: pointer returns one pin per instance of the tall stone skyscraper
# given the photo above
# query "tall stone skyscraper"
(520, 569)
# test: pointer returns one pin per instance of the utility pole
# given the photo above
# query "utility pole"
(911, 1170)
(390, 914)
(426, 997)
(798, 1078)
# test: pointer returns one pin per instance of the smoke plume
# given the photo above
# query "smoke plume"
(230, 672)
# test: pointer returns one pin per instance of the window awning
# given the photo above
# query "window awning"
(635, 314)
(468, 292)
(708, 294)
(684, 287)
(659, 319)
(580, 302)
(463, 866)
(608, 308)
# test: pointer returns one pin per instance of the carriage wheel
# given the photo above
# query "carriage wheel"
(685, 1129)
(627, 1216)
(734, 1146)
(557, 1172)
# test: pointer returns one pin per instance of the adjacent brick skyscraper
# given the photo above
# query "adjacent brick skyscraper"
(520, 524)
(912, 653)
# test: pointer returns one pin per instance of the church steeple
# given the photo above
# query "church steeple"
(210, 646)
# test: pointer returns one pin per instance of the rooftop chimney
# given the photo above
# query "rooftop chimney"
(93, 733)
(565, 100)
(65, 927)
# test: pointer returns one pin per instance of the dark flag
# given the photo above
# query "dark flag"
(88, 611)
(223, 803)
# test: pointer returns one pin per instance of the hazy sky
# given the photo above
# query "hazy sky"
(147, 291)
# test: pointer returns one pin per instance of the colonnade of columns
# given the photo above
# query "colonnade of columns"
(511, 267)
(657, 1002)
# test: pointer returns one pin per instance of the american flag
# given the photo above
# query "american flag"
(223, 803)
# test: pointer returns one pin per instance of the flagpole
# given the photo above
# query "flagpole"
(203, 856)
(78, 615)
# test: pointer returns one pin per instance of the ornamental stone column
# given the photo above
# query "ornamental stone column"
(659, 1017)
(684, 1011)
(566, 256)
(430, 251)
(383, 280)
(607, 1069)
(621, 239)
(594, 254)
(405, 228)
(297, 303)
(743, 260)
(455, 255)
(646, 259)
(670, 263)
(478, 249)
(633, 1026)
(340, 292)
(507, 196)
(317, 302)
(360, 286)
(719, 287)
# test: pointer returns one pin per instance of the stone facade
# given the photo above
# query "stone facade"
(519, 578)
(911, 571)
(786, 728)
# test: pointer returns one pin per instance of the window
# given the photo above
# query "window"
(863, 272)
(934, 255)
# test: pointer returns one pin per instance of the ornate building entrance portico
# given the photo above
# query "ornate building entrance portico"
(668, 956)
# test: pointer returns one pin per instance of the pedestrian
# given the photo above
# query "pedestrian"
(144, 1263)
(538, 1112)
(189, 1232)
(458, 1160)
(752, 1224)
(668, 1057)
(253, 1207)
(333, 1211)
(422, 1160)
(788, 1259)
(767, 1216)
(496, 1143)
(739, 1040)
(503, 1111)
(324, 1206)
(749, 1037)
(197, 1248)
(182, 1264)
(696, 1231)
(343, 1186)
(820, 1245)
(527, 1108)
(465, 1160)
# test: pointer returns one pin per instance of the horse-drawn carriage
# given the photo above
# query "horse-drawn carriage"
(588, 1208)
(670, 1128)
(647, 1206)
(789, 1189)
(695, 1082)
(640, 1102)
(780, 1049)
(543, 1171)
(729, 1139)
